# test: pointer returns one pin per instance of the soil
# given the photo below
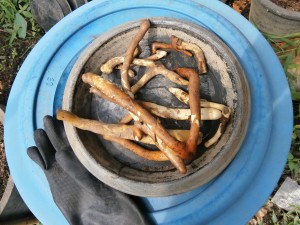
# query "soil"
(241, 6)
(12, 57)
(293, 5)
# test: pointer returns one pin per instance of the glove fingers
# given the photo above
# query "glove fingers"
(81, 2)
(46, 12)
(35, 155)
(73, 4)
(76, 3)
(56, 133)
(45, 147)
(114, 207)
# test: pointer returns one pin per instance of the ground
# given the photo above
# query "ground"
(11, 59)
(3, 165)
(12, 56)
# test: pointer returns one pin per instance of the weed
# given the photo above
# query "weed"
(292, 217)
(271, 214)
(293, 164)
(14, 53)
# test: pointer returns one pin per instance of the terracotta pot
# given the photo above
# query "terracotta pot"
(145, 177)
(273, 19)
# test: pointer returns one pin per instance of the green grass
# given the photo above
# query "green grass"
(19, 32)
(18, 24)
(15, 18)
(270, 214)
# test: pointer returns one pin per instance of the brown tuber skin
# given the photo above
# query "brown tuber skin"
(120, 131)
(175, 150)
(197, 51)
(138, 150)
(165, 46)
(226, 113)
(146, 125)
(184, 97)
(124, 100)
(177, 113)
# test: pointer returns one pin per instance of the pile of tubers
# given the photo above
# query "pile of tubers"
(177, 146)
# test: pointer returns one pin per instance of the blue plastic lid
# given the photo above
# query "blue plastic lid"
(231, 198)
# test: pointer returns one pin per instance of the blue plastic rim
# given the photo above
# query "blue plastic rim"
(231, 198)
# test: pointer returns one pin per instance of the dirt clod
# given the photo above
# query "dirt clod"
(241, 6)
(4, 174)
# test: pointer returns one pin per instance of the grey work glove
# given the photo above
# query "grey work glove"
(81, 197)
(48, 12)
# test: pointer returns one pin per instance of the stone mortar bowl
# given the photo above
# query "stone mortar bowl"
(121, 169)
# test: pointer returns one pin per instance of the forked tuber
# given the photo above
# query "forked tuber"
(114, 130)
(129, 54)
(198, 53)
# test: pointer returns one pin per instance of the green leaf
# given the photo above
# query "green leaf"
(290, 156)
(23, 8)
(289, 42)
(288, 60)
(294, 35)
(274, 218)
(8, 14)
(296, 208)
(22, 24)
(295, 95)
(296, 170)
(292, 166)
(27, 14)
(297, 132)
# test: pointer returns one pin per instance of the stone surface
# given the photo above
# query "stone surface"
(287, 195)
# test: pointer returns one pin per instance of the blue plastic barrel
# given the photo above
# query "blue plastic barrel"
(231, 198)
